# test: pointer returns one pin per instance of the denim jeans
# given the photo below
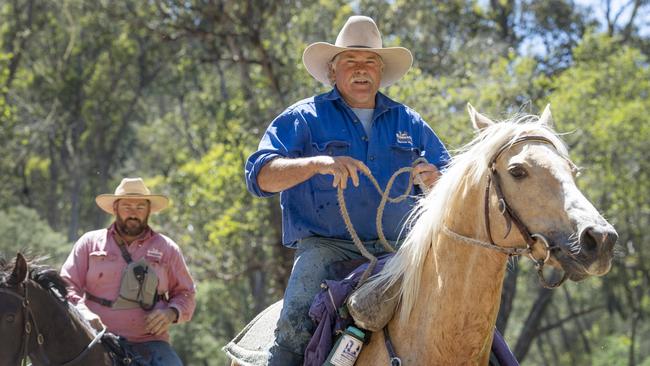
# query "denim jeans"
(311, 264)
(156, 353)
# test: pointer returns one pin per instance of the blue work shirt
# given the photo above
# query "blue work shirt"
(325, 125)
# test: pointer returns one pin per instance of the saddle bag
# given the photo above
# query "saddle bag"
(372, 309)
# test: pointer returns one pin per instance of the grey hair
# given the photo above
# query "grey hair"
(331, 68)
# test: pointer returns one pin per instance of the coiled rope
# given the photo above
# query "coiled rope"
(385, 197)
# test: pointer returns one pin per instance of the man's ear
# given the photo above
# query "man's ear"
(331, 75)
(479, 121)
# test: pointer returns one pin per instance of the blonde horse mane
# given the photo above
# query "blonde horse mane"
(470, 164)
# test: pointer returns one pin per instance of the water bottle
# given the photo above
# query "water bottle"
(347, 348)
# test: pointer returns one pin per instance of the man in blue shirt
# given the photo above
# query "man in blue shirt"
(327, 141)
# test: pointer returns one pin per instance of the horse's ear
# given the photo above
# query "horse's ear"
(19, 275)
(479, 121)
(546, 118)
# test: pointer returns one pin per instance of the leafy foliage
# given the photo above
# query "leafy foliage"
(22, 229)
(179, 93)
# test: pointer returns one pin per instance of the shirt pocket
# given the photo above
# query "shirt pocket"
(103, 267)
(402, 155)
(323, 182)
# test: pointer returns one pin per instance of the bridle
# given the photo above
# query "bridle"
(510, 215)
(29, 320)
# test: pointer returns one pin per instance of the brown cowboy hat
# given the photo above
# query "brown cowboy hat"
(132, 188)
(360, 33)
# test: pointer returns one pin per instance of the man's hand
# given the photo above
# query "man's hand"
(427, 173)
(341, 167)
(158, 320)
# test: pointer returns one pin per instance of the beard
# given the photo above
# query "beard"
(131, 226)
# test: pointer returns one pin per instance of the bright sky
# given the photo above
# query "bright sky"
(599, 6)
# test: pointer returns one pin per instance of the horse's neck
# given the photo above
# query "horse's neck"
(65, 337)
(457, 306)
(459, 297)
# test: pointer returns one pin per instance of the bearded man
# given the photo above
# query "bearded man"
(130, 279)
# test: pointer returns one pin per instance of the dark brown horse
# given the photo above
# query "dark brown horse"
(37, 322)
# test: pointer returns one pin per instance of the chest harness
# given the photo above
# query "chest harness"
(138, 287)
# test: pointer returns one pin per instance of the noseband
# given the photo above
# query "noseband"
(510, 215)
(29, 319)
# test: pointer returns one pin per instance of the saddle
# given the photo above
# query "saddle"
(331, 315)
(371, 309)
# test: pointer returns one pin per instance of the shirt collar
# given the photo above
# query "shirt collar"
(382, 102)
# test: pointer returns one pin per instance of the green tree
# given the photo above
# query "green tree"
(604, 98)
(22, 229)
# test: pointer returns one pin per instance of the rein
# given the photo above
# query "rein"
(510, 215)
(30, 319)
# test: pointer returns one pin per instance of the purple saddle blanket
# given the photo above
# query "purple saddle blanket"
(328, 313)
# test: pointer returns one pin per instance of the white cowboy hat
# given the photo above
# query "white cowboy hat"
(133, 188)
(360, 33)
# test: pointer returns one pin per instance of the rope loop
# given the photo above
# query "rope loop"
(385, 197)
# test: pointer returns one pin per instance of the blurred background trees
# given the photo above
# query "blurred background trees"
(180, 92)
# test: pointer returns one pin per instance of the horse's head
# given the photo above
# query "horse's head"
(12, 311)
(533, 194)
(36, 321)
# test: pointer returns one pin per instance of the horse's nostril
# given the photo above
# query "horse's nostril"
(598, 238)
(588, 241)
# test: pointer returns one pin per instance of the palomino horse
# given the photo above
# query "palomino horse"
(37, 322)
(453, 261)
(451, 266)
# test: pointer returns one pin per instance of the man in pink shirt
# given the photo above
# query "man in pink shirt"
(130, 278)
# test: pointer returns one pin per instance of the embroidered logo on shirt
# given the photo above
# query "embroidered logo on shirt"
(403, 138)
(154, 254)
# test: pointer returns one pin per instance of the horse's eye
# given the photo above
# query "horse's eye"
(10, 318)
(517, 172)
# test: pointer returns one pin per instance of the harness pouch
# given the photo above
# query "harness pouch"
(373, 309)
(138, 287)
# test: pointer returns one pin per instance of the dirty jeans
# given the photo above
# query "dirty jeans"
(311, 264)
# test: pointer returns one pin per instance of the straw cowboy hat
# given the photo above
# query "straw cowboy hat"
(132, 188)
(360, 33)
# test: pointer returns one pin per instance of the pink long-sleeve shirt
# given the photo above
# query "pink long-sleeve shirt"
(96, 264)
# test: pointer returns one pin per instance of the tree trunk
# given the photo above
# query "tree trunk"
(75, 206)
(507, 297)
(531, 326)
(25, 31)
